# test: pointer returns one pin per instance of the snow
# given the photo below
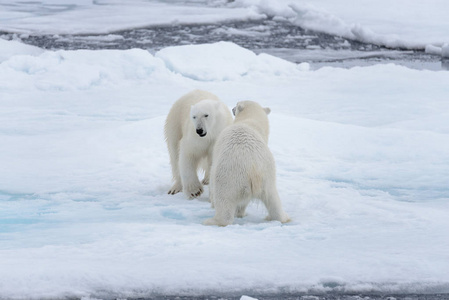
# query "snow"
(362, 170)
(361, 154)
(205, 63)
(445, 50)
(11, 48)
(247, 298)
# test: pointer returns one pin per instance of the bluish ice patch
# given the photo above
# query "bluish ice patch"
(112, 207)
(21, 224)
(14, 225)
(17, 221)
(400, 193)
(85, 199)
(173, 214)
(9, 196)
(417, 194)
(19, 211)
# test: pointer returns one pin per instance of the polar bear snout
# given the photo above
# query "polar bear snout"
(200, 124)
(201, 132)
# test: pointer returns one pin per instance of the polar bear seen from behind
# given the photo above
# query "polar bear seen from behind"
(191, 129)
(244, 167)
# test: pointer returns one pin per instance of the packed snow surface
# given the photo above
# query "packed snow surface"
(362, 170)
(391, 23)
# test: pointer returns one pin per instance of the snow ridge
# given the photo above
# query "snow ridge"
(419, 26)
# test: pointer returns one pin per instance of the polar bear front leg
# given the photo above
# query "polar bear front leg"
(177, 186)
(173, 150)
(188, 165)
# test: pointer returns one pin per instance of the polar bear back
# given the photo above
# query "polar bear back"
(244, 161)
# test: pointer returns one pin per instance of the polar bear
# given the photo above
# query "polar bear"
(244, 167)
(191, 129)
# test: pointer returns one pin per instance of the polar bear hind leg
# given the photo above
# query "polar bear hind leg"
(240, 212)
(224, 213)
(270, 198)
(229, 200)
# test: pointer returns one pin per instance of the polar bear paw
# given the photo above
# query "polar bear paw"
(214, 222)
(176, 188)
(210, 222)
(205, 181)
(193, 190)
(283, 219)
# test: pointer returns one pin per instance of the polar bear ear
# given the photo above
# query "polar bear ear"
(267, 110)
(238, 108)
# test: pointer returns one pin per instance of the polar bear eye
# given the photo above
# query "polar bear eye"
(194, 117)
(206, 116)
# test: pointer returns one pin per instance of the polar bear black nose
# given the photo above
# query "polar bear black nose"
(200, 132)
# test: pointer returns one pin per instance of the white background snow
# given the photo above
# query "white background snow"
(362, 158)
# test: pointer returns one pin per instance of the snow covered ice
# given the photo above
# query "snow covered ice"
(362, 170)
(362, 160)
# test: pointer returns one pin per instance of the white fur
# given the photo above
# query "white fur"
(244, 167)
(202, 112)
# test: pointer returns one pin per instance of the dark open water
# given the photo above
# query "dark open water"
(279, 38)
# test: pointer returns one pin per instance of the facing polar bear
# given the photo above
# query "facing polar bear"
(191, 129)
(244, 168)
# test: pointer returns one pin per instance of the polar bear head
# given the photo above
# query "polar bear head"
(253, 115)
(204, 116)
(242, 104)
